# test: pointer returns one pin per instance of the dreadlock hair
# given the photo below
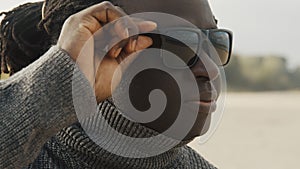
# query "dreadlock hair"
(27, 32)
(21, 41)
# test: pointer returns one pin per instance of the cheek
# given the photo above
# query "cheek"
(148, 80)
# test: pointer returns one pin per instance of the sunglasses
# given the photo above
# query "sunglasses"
(188, 43)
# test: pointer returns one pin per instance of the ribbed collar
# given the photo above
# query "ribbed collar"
(94, 156)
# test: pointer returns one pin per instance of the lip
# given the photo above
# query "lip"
(208, 97)
(206, 106)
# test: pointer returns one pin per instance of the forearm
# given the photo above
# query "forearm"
(34, 105)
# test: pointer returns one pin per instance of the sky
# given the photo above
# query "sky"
(260, 27)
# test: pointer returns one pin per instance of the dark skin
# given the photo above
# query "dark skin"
(196, 11)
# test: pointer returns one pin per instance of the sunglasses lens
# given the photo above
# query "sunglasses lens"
(183, 44)
(221, 42)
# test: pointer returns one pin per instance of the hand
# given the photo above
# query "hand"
(80, 27)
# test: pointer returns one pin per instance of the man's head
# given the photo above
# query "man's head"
(198, 12)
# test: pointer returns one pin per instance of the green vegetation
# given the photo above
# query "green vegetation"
(268, 73)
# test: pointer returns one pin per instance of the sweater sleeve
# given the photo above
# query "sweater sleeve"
(35, 104)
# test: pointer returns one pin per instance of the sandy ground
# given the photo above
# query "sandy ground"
(258, 131)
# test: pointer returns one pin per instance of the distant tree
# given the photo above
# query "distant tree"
(262, 73)
(295, 78)
(234, 77)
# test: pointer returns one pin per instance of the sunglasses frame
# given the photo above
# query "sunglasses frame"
(200, 32)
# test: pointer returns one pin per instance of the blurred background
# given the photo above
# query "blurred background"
(262, 113)
(260, 124)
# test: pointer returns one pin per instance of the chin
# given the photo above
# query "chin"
(200, 127)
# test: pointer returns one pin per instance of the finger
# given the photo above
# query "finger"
(143, 42)
(104, 12)
(121, 29)
(117, 48)
(131, 46)
(115, 51)
(98, 14)
(126, 59)
(125, 27)
(127, 47)
(106, 44)
(146, 26)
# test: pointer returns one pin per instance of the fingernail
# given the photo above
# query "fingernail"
(150, 24)
(144, 42)
(126, 33)
(133, 45)
(141, 44)
(117, 52)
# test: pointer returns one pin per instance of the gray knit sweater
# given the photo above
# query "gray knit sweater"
(39, 128)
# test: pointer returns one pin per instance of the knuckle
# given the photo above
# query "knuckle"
(120, 9)
(71, 19)
(107, 4)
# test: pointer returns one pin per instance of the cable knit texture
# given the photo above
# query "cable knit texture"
(39, 127)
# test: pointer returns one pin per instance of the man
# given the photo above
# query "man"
(71, 147)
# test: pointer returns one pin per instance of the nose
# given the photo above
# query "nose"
(205, 67)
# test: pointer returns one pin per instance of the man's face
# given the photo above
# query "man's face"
(198, 13)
